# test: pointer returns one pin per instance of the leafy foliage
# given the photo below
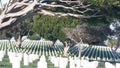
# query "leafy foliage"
(90, 35)
(105, 3)
(49, 27)
(112, 42)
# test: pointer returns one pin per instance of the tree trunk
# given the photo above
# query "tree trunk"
(118, 43)
(66, 50)
(80, 50)
(9, 44)
(19, 41)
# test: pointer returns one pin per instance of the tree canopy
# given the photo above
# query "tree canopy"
(62, 13)
(50, 27)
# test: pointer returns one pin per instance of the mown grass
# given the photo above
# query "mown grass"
(5, 63)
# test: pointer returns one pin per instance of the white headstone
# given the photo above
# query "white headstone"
(117, 65)
(72, 64)
(16, 62)
(33, 57)
(63, 62)
(55, 61)
(11, 56)
(2, 53)
(26, 59)
(93, 64)
(19, 56)
(85, 63)
(109, 65)
(42, 62)
(77, 63)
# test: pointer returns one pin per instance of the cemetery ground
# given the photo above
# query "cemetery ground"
(6, 64)
(37, 54)
(28, 49)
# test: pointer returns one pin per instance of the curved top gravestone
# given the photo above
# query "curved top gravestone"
(101, 53)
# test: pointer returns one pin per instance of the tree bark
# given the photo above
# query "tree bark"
(19, 42)
(19, 8)
(66, 50)
(67, 44)
(9, 44)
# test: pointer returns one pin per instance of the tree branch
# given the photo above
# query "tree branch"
(12, 17)
(71, 8)
(7, 23)
(60, 14)
(17, 8)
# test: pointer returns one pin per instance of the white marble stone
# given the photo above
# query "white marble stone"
(2, 53)
(93, 64)
(19, 55)
(72, 64)
(55, 61)
(33, 57)
(26, 59)
(52, 59)
(109, 65)
(117, 65)
(85, 63)
(11, 56)
(42, 62)
(63, 62)
(77, 63)
(16, 62)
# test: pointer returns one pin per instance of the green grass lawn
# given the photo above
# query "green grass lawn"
(5, 63)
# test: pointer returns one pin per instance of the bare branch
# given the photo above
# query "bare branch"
(13, 16)
(7, 23)
(60, 14)
(16, 5)
(18, 8)
(22, 12)
(71, 8)
(1, 4)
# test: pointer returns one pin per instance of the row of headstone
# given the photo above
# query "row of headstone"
(117, 65)
(74, 63)
(2, 53)
(59, 62)
(15, 59)
(33, 57)
(77, 63)
(29, 58)
(63, 62)
(110, 65)
(42, 62)
(54, 60)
